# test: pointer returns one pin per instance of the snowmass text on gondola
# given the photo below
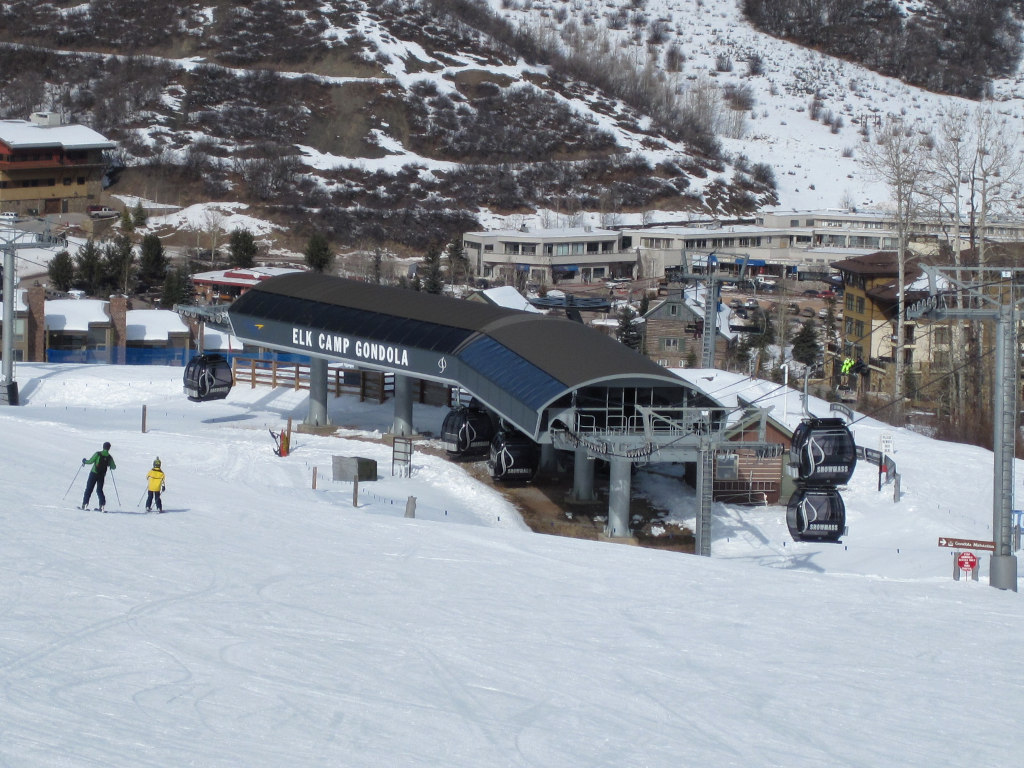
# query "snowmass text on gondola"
(365, 350)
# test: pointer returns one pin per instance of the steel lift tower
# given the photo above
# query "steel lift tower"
(989, 293)
(12, 240)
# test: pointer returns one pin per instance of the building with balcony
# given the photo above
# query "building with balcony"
(47, 167)
(551, 256)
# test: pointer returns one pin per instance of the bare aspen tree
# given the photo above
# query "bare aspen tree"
(997, 171)
(947, 189)
(213, 225)
(898, 159)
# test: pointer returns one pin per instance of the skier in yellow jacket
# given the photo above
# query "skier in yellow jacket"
(155, 485)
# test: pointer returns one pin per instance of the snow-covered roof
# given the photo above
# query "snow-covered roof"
(547, 233)
(241, 277)
(153, 324)
(220, 341)
(508, 297)
(693, 296)
(23, 134)
(735, 390)
(75, 314)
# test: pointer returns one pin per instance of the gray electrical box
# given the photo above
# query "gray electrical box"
(347, 467)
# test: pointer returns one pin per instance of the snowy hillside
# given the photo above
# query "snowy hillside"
(817, 165)
(259, 622)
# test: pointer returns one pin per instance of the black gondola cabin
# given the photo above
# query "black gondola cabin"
(207, 377)
(467, 431)
(823, 452)
(816, 514)
(513, 457)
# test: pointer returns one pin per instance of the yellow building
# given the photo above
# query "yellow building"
(47, 167)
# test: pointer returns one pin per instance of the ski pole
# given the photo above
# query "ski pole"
(72, 483)
(139, 503)
(116, 494)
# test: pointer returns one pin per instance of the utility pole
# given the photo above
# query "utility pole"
(988, 293)
(11, 240)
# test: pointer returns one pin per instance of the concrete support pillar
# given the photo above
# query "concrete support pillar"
(402, 425)
(618, 498)
(582, 477)
(317, 416)
(548, 460)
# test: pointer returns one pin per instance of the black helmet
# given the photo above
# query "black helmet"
(106, 446)
(156, 463)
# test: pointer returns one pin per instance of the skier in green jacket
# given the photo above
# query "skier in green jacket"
(101, 461)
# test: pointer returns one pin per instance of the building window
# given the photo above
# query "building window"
(849, 302)
(860, 304)
(670, 343)
(673, 309)
(942, 334)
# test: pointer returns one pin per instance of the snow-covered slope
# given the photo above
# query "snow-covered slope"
(259, 622)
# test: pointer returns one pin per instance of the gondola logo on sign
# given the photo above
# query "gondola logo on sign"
(442, 365)
(366, 350)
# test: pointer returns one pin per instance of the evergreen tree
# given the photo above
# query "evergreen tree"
(458, 264)
(242, 248)
(152, 261)
(627, 332)
(89, 268)
(377, 262)
(806, 348)
(318, 253)
(119, 265)
(433, 282)
(177, 288)
(139, 217)
(127, 222)
(62, 271)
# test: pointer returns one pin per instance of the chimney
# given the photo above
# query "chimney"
(45, 119)
(35, 331)
(119, 319)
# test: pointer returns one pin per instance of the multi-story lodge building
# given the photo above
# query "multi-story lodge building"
(780, 243)
(48, 167)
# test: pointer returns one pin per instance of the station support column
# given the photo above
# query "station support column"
(317, 415)
(402, 425)
(618, 498)
(582, 477)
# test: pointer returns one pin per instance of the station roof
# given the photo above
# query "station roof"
(515, 362)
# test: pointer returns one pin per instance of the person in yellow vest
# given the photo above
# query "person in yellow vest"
(847, 366)
(155, 485)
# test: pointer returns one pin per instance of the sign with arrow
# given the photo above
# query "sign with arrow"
(988, 546)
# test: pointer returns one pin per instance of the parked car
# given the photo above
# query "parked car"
(807, 312)
(794, 308)
(811, 293)
(736, 303)
(8, 217)
(101, 212)
(751, 304)
(827, 295)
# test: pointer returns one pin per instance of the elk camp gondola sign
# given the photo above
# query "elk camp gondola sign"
(370, 351)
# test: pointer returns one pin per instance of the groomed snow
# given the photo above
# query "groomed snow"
(259, 622)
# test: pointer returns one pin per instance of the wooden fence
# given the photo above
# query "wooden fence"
(368, 385)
